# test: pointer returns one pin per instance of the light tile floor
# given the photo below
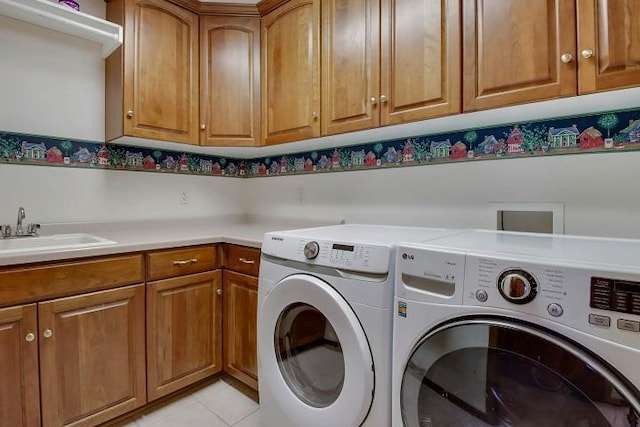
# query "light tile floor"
(223, 402)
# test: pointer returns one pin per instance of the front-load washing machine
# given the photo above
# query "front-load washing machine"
(515, 329)
(325, 299)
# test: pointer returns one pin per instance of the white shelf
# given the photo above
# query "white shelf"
(65, 20)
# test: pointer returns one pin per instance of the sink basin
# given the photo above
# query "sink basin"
(54, 242)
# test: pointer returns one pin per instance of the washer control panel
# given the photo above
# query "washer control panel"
(615, 295)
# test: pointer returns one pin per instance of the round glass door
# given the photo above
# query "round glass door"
(315, 362)
(309, 355)
(502, 373)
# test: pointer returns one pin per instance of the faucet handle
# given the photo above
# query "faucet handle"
(33, 229)
(5, 231)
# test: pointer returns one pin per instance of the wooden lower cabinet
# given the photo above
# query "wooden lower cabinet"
(240, 327)
(183, 331)
(19, 379)
(92, 356)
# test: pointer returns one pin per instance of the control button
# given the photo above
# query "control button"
(481, 295)
(311, 250)
(598, 320)
(517, 286)
(555, 309)
(628, 325)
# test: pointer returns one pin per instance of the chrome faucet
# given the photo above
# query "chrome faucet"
(32, 229)
(21, 216)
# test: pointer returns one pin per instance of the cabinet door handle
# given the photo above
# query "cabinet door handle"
(587, 53)
(246, 261)
(185, 261)
(383, 99)
(566, 58)
(30, 337)
(203, 126)
(373, 101)
(219, 291)
(48, 333)
(130, 114)
(314, 115)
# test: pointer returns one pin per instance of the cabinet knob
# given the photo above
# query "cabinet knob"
(30, 337)
(203, 126)
(48, 333)
(566, 58)
(373, 101)
(219, 291)
(130, 114)
(383, 99)
(246, 261)
(314, 115)
(587, 53)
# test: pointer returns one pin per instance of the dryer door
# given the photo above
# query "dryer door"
(494, 372)
(317, 359)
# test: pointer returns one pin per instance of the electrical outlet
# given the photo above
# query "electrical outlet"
(184, 198)
(301, 195)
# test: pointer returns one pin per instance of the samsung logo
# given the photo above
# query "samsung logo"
(279, 239)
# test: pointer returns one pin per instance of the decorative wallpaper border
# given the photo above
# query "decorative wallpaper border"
(595, 133)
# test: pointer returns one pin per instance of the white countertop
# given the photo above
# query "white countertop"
(138, 236)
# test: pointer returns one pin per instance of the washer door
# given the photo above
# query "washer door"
(317, 361)
(490, 372)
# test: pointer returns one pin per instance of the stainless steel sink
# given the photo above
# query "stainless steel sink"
(52, 243)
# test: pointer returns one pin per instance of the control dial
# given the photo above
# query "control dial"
(517, 286)
(311, 250)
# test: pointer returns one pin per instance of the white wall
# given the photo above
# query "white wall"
(53, 84)
(599, 192)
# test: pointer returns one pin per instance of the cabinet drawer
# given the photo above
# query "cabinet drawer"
(178, 262)
(25, 284)
(243, 259)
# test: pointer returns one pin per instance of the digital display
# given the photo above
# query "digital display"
(337, 247)
(630, 287)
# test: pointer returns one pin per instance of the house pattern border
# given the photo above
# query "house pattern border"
(611, 131)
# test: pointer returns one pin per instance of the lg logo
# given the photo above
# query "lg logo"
(407, 256)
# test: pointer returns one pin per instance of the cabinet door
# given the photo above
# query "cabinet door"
(240, 327)
(513, 49)
(230, 81)
(161, 71)
(92, 362)
(608, 44)
(290, 69)
(350, 65)
(420, 59)
(183, 331)
(19, 380)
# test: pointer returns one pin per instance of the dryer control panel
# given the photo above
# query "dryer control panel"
(365, 258)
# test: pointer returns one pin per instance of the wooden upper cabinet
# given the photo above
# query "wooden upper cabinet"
(420, 60)
(513, 51)
(92, 356)
(350, 65)
(608, 44)
(388, 62)
(19, 379)
(229, 81)
(290, 72)
(152, 80)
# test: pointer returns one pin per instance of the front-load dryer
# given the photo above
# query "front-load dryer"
(516, 329)
(325, 300)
